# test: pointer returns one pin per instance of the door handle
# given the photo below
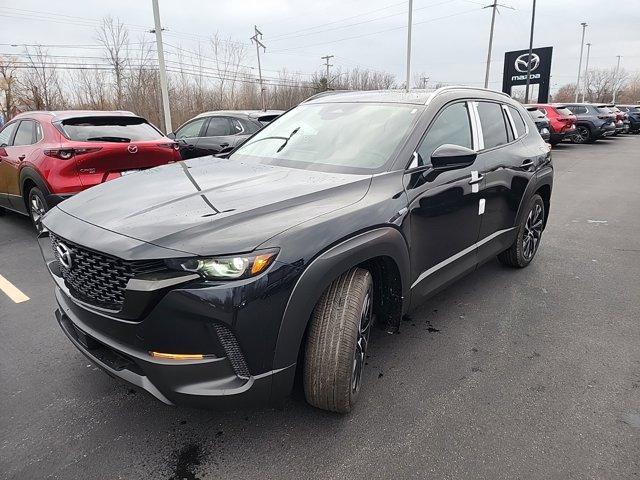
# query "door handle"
(527, 164)
(21, 157)
(479, 178)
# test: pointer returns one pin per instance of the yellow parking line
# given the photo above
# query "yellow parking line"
(12, 291)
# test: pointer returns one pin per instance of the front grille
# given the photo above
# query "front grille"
(99, 279)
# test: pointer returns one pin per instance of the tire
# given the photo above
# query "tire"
(337, 342)
(582, 135)
(528, 237)
(37, 206)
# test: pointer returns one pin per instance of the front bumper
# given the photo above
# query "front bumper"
(207, 383)
(234, 325)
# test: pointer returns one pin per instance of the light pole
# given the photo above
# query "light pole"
(586, 72)
(584, 27)
(410, 20)
(615, 79)
(533, 20)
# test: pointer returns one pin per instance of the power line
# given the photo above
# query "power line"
(280, 38)
(377, 32)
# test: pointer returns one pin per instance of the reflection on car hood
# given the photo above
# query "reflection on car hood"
(210, 205)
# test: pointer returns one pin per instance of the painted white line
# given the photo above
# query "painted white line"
(12, 291)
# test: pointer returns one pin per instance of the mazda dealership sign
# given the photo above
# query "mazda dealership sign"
(538, 64)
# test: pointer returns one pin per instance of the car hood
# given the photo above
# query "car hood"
(211, 205)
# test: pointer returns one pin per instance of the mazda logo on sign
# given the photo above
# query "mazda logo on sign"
(64, 255)
(522, 62)
(132, 149)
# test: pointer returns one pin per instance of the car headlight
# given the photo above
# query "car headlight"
(228, 267)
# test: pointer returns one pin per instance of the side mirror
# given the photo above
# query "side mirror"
(449, 157)
(171, 135)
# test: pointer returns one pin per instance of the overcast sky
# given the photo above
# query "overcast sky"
(449, 37)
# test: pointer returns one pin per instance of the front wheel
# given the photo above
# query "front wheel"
(337, 342)
(37, 206)
(528, 236)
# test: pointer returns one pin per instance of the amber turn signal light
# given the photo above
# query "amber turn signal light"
(261, 262)
(177, 356)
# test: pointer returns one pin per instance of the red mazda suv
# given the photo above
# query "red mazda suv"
(562, 121)
(46, 157)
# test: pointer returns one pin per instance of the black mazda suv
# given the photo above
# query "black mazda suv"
(209, 282)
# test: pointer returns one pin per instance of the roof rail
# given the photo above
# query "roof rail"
(326, 93)
(444, 89)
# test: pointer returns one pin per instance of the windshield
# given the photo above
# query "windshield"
(340, 137)
(604, 110)
(109, 129)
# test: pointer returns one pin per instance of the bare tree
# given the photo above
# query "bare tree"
(114, 37)
(8, 86)
(41, 81)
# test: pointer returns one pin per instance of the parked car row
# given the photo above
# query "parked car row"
(45, 157)
(584, 122)
(277, 255)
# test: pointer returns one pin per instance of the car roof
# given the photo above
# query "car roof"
(414, 97)
(241, 113)
(65, 114)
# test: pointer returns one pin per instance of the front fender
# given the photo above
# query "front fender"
(325, 268)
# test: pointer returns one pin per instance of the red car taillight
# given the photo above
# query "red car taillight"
(172, 145)
(67, 153)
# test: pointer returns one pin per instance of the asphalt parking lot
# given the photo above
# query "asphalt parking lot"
(508, 374)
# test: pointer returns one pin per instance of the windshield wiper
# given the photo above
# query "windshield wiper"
(286, 139)
(109, 139)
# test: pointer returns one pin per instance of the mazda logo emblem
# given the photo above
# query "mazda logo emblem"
(522, 62)
(132, 149)
(64, 255)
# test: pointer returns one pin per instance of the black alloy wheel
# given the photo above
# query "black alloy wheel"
(532, 231)
(582, 135)
(37, 206)
(364, 330)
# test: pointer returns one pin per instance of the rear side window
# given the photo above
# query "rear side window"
(247, 126)
(218, 127)
(451, 126)
(494, 129)
(109, 129)
(25, 134)
(521, 129)
(6, 134)
(578, 109)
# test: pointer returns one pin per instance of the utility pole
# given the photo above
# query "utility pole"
(584, 27)
(494, 6)
(162, 70)
(533, 21)
(615, 79)
(326, 58)
(586, 71)
(409, 22)
(257, 40)
(493, 22)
